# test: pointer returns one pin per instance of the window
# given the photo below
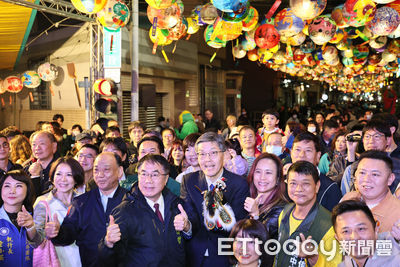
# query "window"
(230, 83)
(41, 97)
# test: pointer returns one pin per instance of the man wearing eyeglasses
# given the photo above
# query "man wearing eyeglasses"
(86, 156)
(5, 163)
(376, 136)
(213, 201)
(141, 230)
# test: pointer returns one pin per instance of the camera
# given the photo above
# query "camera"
(353, 138)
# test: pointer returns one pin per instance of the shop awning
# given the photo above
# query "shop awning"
(15, 25)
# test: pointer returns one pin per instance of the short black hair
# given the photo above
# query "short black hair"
(247, 127)
(91, 146)
(78, 174)
(160, 119)
(112, 129)
(271, 111)
(118, 142)
(190, 140)
(153, 139)
(331, 124)
(357, 127)
(305, 168)
(168, 129)
(58, 116)
(307, 136)
(349, 206)
(378, 125)
(387, 117)
(379, 155)
(153, 158)
(77, 126)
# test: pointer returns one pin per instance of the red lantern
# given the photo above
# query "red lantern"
(266, 36)
(104, 87)
(13, 84)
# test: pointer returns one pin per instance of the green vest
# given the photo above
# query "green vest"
(316, 224)
(172, 185)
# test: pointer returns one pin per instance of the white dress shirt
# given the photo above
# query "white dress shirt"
(104, 198)
(160, 202)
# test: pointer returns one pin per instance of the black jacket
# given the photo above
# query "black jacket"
(145, 240)
(270, 220)
(86, 223)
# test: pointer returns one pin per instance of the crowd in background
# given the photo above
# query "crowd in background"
(164, 197)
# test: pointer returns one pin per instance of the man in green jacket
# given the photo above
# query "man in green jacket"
(186, 119)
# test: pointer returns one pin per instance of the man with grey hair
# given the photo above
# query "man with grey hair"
(213, 201)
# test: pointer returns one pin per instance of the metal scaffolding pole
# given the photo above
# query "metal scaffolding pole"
(135, 62)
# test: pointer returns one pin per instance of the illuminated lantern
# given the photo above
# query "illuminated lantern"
(227, 31)
(47, 72)
(329, 53)
(388, 57)
(252, 55)
(250, 22)
(358, 12)
(394, 47)
(337, 16)
(308, 47)
(322, 29)
(193, 27)
(179, 30)
(30, 79)
(351, 32)
(339, 35)
(386, 20)
(378, 42)
(383, 1)
(264, 55)
(395, 33)
(288, 24)
(374, 59)
(395, 5)
(238, 51)
(236, 16)
(114, 15)
(360, 52)
(2, 88)
(89, 6)
(297, 39)
(229, 5)
(160, 4)
(248, 44)
(196, 14)
(159, 36)
(211, 39)
(266, 36)
(298, 55)
(307, 9)
(105, 87)
(208, 13)
(13, 84)
(333, 62)
(166, 18)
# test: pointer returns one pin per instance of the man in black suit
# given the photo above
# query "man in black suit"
(213, 201)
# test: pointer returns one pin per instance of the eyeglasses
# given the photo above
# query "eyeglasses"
(88, 156)
(5, 145)
(153, 175)
(376, 137)
(211, 154)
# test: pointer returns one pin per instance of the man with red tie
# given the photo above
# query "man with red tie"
(141, 230)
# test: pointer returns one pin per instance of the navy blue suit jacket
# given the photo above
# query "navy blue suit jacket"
(202, 239)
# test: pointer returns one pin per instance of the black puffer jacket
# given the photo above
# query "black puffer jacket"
(270, 219)
(145, 240)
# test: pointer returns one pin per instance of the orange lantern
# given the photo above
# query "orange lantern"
(13, 84)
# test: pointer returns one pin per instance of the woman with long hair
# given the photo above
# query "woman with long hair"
(66, 174)
(267, 189)
(176, 156)
(20, 149)
(17, 229)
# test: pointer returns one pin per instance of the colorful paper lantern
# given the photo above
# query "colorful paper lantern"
(374, 59)
(89, 6)
(164, 18)
(229, 5)
(287, 24)
(208, 13)
(250, 22)
(339, 35)
(322, 29)
(307, 9)
(160, 4)
(266, 36)
(395, 5)
(211, 38)
(30, 79)
(193, 27)
(337, 16)
(105, 87)
(227, 31)
(114, 15)
(329, 53)
(298, 55)
(179, 30)
(308, 47)
(378, 42)
(236, 16)
(394, 47)
(388, 57)
(47, 72)
(264, 55)
(159, 36)
(13, 84)
(252, 55)
(386, 20)
(297, 39)
(238, 51)
(357, 13)
(248, 44)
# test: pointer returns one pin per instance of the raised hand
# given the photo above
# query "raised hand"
(251, 204)
(395, 232)
(113, 233)
(24, 219)
(51, 228)
(181, 221)
(310, 250)
(35, 169)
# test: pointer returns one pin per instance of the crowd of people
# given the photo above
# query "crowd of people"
(321, 188)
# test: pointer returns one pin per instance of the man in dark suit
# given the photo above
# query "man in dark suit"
(88, 217)
(213, 201)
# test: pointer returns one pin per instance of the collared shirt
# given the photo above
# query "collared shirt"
(104, 198)
(213, 183)
(160, 201)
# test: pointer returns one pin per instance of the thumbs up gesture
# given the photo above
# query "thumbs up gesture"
(51, 228)
(181, 221)
(113, 233)
(24, 219)
(251, 204)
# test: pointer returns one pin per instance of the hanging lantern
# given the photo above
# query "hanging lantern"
(308, 47)
(13, 84)
(250, 22)
(47, 72)
(114, 15)
(193, 27)
(238, 51)
(394, 47)
(160, 4)
(298, 55)
(211, 40)
(227, 31)
(322, 29)
(329, 53)
(307, 9)
(297, 39)
(229, 5)
(166, 18)
(30, 79)
(179, 30)
(339, 35)
(386, 20)
(378, 42)
(89, 6)
(252, 55)
(248, 44)
(236, 16)
(105, 87)
(208, 13)
(159, 36)
(266, 36)
(337, 16)
(2, 88)
(288, 24)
